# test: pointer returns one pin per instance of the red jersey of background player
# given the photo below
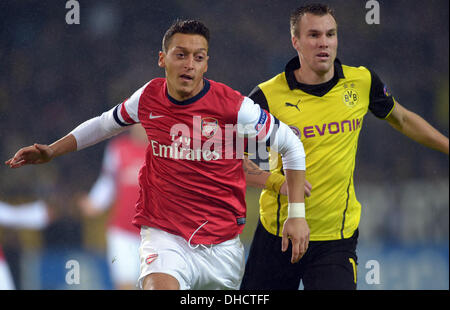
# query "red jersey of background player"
(127, 157)
(117, 185)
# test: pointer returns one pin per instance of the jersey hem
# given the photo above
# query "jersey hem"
(199, 240)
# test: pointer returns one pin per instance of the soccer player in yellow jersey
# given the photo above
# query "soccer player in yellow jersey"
(324, 102)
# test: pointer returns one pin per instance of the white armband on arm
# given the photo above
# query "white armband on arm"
(296, 209)
(96, 130)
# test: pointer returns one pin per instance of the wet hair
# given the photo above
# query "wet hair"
(315, 9)
(186, 27)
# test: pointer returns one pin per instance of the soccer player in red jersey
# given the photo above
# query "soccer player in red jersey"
(117, 187)
(191, 208)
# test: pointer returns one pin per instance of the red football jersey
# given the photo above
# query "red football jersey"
(188, 181)
(130, 156)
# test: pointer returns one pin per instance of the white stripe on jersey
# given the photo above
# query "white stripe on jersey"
(131, 106)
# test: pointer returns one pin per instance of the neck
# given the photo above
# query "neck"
(306, 75)
(181, 95)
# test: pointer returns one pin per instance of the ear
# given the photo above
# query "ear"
(206, 67)
(296, 43)
(161, 59)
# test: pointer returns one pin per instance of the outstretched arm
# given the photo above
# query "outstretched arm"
(415, 127)
(41, 153)
(88, 133)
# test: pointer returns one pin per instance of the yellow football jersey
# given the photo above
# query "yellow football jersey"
(328, 119)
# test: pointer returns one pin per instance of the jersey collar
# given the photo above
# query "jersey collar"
(203, 92)
(294, 64)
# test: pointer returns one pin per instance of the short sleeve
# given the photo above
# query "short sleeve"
(381, 101)
(258, 96)
(254, 122)
(126, 113)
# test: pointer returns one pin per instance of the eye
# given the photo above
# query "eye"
(179, 55)
(199, 57)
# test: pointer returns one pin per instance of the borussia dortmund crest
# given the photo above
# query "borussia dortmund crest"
(350, 95)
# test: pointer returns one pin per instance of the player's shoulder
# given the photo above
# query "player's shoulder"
(150, 87)
(219, 86)
(355, 71)
(155, 83)
(224, 91)
(278, 80)
(153, 88)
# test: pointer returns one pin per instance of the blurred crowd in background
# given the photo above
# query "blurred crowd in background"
(55, 75)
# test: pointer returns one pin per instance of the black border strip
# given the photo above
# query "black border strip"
(116, 117)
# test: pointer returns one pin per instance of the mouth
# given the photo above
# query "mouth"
(186, 77)
(323, 56)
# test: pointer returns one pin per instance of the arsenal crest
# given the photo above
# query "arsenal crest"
(209, 126)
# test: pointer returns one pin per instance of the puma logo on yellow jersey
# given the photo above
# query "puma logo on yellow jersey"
(293, 105)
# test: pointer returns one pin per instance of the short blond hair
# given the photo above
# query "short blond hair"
(315, 9)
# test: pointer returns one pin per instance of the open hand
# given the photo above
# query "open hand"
(33, 154)
(296, 230)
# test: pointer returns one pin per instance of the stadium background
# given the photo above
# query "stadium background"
(54, 76)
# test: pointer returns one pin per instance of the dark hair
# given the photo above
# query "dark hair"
(186, 27)
(315, 9)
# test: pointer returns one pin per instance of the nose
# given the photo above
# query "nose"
(323, 41)
(189, 63)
